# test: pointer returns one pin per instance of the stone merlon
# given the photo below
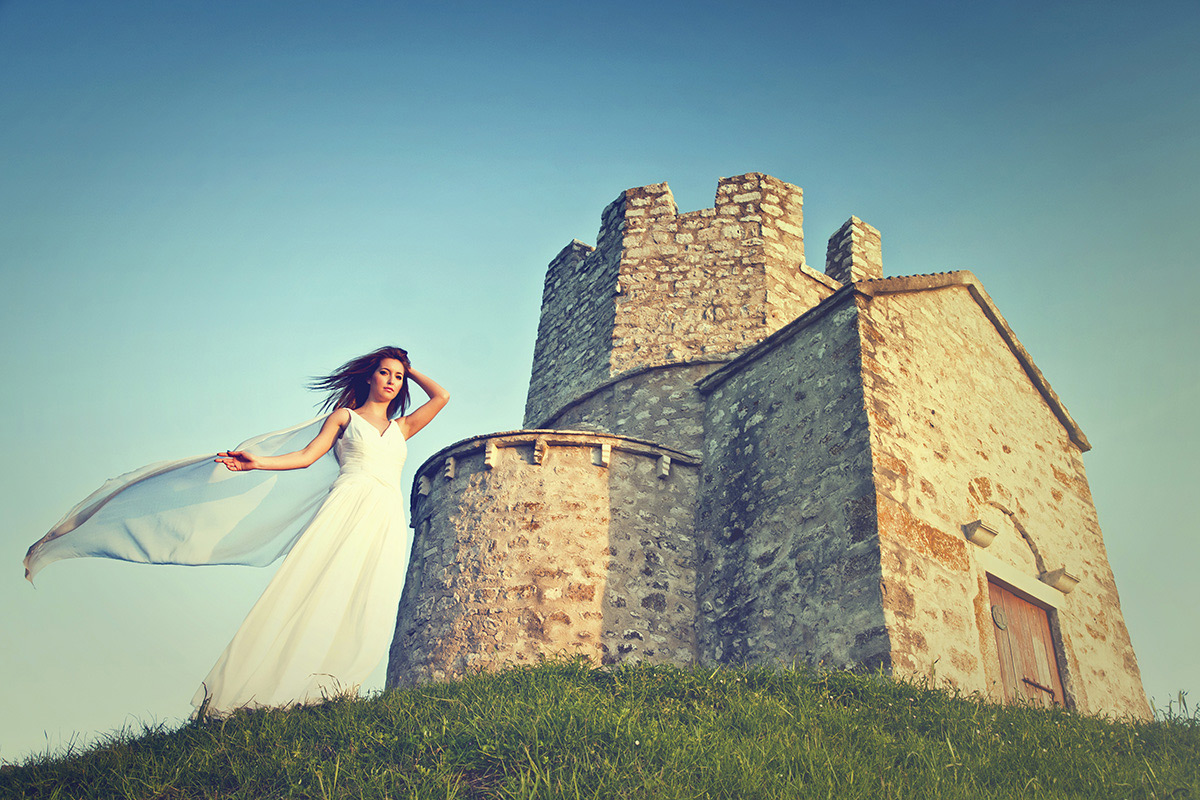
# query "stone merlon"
(854, 253)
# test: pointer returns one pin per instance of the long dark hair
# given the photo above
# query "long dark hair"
(348, 385)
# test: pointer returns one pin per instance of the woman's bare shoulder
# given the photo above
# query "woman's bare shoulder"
(338, 418)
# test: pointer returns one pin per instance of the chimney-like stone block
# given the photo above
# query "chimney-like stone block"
(855, 253)
(767, 209)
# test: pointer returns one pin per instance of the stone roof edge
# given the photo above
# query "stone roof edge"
(626, 375)
(710, 382)
(899, 285)
(820, 277)
(941, 280)
(554, 436)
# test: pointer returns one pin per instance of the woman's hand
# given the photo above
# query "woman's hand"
(244, 460)
(238, 460)
(438, 397)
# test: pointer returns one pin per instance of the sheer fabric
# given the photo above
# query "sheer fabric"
(195, 511)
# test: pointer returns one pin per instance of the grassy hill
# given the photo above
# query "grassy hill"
(565, 729)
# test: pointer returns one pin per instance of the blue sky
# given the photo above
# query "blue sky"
(202, 204)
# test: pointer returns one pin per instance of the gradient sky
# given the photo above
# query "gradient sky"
(202, 204)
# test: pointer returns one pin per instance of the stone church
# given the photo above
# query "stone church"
(730, 457)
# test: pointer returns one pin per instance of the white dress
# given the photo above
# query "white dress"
(324, 621)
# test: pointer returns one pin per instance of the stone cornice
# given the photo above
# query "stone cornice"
(540, 440)
(556, 438)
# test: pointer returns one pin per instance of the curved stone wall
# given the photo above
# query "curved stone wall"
(543, 542)
(660, 403)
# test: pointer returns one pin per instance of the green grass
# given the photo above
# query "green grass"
(566, 729)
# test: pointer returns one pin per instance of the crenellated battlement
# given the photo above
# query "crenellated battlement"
(662, 287)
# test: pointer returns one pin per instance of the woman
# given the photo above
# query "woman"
(323, 622)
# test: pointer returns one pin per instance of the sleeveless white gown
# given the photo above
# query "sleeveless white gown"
(326, 618)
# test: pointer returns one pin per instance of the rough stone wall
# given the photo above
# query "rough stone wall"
(713, 281)
(960, 432)
(538, 543)
(657, 403)
(574, 342)
(664, 287)
(789, 565)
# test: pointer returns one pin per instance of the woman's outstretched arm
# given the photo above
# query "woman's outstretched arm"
(240, 460)
(410, 424)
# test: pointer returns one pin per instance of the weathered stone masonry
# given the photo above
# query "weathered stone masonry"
(733, 458)
(667, 288)
(531, 543)
(790, 564)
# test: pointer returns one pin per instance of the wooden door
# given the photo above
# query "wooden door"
(1027, 663)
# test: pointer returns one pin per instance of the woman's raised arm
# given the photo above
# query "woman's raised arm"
(410, 424)
(240, 460)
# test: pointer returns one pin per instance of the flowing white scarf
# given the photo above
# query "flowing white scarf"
(195, 511)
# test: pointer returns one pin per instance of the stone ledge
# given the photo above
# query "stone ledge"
(1013, 578)
(821, 277)
(546, 438)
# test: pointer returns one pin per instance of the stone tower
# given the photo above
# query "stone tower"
(662, 300)
(730, 457)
